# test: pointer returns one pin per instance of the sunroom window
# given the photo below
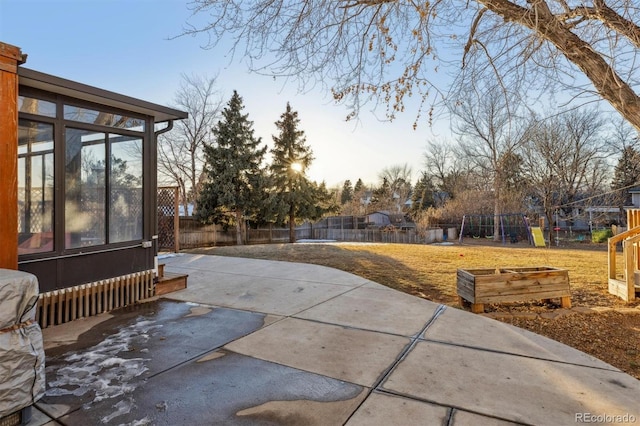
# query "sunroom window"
(35, 187)
(125, 182)
(103, 181)
(102, 118)
(85, 188)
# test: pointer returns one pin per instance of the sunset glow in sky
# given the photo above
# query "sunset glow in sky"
(127, 46)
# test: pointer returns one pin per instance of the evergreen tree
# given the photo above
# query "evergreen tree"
(294, 197)
(382, 197)
(233, 191)
(357, 200)
(360, 197)
(359, 187)
(422, 194)
(347, 192)
(627, 174)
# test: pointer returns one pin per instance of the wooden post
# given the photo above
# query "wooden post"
(176, 220)
(612, 259)
(628, 248)
(477, 308)
(10, 58)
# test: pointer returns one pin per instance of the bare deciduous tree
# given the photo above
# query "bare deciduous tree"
(398, 179)
(390, 49)
(564, 160)
(624, 145)
(621, 137)
(448, 168)
(489, 132)
(180, 151)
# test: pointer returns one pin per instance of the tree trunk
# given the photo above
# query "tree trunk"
(239, 239)
(496, 211)
(183, 195)
(292, 225)
(550, 221)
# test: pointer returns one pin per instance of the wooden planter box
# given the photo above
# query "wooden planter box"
(479, 286)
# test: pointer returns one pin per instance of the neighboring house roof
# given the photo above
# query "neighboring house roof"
(386, 218)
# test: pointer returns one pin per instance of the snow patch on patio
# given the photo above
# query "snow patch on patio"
(102, 371)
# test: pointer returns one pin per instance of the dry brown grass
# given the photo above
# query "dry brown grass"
(429, 271)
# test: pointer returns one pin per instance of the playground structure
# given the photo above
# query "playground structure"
(627, 287)
(513, 226)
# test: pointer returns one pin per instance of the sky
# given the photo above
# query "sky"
(129, 47)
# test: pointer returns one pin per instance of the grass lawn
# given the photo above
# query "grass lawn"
(429, 271)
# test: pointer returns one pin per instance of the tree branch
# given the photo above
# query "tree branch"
(605, 79)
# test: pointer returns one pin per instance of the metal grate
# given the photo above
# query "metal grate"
(14, 419)
(61, 306)
(19, 418)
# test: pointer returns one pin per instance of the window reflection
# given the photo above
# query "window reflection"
(85, 186)
(125, 173)
(35, 187)
(36, 106)
(86, 115)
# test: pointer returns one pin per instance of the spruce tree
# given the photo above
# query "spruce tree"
(382, 197)
(234, 190)
(347, 192)
(422, 195)
(294, 197)
(359, 186)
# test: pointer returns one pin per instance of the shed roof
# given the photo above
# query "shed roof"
(38, 80)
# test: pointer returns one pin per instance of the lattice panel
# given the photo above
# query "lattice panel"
(167, 198)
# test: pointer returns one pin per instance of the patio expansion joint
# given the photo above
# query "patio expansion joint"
(56, 420)
(401, 356)
(497, 351)
(451, 409)
(350, 289)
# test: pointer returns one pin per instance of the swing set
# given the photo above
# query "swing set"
(512, 226)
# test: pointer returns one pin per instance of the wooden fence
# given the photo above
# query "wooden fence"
(368, 235)
(193, 234)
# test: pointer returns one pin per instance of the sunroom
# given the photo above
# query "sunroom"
(86, 184)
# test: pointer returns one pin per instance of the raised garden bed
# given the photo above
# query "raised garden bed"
(501, 285)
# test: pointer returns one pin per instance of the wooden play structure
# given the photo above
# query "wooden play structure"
(490, 285)
(626, 286)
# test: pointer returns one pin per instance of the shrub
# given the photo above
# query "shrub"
(426, 219)
(601, 236)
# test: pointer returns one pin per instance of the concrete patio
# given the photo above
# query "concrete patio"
(265, 342)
